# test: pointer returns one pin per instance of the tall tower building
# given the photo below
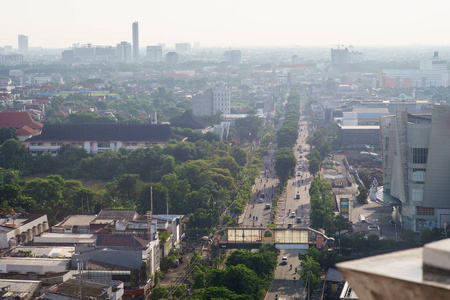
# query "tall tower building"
(135, 41)
(23, 43)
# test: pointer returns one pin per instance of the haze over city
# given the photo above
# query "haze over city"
(59, 24)
(238, 149)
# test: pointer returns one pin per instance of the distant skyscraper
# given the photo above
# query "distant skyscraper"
(233, 56)
(154, 54)
(183, 47)
(135, 41)
(123, 51)
(339, 56)
(172, 58)
(23, 43)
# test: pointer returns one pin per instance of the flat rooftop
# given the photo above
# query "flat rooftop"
(43, 251)
(77, 220)
(420, 273)
(30, 261)
(363, 127)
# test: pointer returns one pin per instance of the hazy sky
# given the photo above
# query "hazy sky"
(226, 23)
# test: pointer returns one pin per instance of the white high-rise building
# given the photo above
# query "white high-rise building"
(23, 43)
(434, 63)
(123, 51)
(202, 103)
(183, 47)
(221, 99)
(233, 56)
(154, 54)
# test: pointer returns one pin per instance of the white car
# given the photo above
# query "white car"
(261, 200)
(284, 260)
(292, 214)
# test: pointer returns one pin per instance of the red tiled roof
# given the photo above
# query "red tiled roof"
(18, 119)
(25, 130)
(61, 113)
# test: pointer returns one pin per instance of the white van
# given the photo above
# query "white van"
(362, 218)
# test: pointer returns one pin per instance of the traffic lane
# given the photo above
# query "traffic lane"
(258, 210)
(283, 284)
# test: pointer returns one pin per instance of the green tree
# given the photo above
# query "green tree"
(310, 274)
(285, 163)
(159, 293)
(363, 194)
(7, 133)
(314, 166)
(239, 155)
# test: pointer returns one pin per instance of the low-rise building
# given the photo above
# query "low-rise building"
(16, 230)
(19, 289)
(36, 266)
(98, 138)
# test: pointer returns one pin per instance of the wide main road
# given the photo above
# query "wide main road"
(295, 204)
(283, 284)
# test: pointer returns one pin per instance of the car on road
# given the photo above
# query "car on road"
(261, 200)
(301, 156)
(292, 215)
(392, 223)
(297, 196)
(299, 220)
(298, 173)
(284, 260)
(267, 206)
(289, 226)
(337, 164)
(299, 167)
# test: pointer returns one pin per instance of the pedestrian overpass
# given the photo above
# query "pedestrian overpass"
(282, 238)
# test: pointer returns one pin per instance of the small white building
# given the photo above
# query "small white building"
(14, 231)
(28, 265)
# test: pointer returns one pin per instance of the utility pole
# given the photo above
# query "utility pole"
(150, 215)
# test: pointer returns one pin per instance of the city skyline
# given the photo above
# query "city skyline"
(59, 24)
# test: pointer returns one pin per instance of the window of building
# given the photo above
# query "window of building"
(133, 144)
(386, 144)
(33, 144)
(419, 155)
(424, 211)
(52, 144)
(418, 175)
(103, 145)
(417, 195)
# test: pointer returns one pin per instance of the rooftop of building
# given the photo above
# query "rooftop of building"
(34, 261)
(19, 286)
(121, 240)
(360, 127)
(107, 132)
(18, 119)
(72, 288)
(43, 251)
(421, 273)
(188, 120)
(77, 220)
(107, 216)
